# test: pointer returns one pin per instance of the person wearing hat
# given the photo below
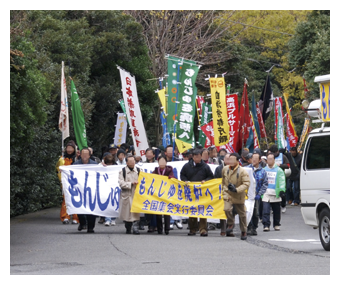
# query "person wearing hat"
(113, 150)
(67, 159)
(121, 157)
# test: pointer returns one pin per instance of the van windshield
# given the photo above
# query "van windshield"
(318, 156)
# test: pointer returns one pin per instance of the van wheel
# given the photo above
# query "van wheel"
(325, 228)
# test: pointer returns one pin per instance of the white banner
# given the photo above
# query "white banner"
(120, 132)
(63, 116)
(94, 189)
(133, 112)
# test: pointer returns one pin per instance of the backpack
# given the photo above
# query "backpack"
(124, 172)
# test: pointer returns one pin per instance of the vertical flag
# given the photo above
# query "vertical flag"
(254, 114)
(78, 118)
(291, 134)
(166, 136)
(63, 117)
(133, 112)
(233, 120)
(263, 133)
(303, 133)
(244, 115)
(255, 135)
(120, 132)
(161, 95)
(219, 110)
(279, 123)
(266, 100)
(208, 130)
(205, 118)
(186, 108)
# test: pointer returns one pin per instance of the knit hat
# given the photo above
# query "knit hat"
(71, 143)
(121, 151)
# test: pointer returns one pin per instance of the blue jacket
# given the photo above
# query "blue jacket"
(261, 178)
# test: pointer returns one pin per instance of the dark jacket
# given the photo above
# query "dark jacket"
(196, 172)
(168, 171)
(218, 171)
(295, 165)
(79, 161)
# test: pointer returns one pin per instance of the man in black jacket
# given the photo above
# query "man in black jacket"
(294, 179)
(196, 171)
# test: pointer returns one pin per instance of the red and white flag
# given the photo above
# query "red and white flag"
(63, 117)
(133, 112)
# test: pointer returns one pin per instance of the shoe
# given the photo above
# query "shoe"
(277, 228)
(74, 222)
(223, 234)
(171, 226)
(151, 229)
(184, 221)
(128, 231)
(107, 224)
(101, 220)
(90, 231)
(66, 221)
(211, 227)
(160, 232)
(113, 223)
(296, 204)
(253, 232)
(135, 227)
(178, 225)
(283, 210)
(243, 236)
(204, 234)
(249, 231)
(80, 227)
(230, 234)
(266, 229)
(166, 232)
(230, 228)
(260, 221)
(290, 202)
(141, 227)
(191, 233)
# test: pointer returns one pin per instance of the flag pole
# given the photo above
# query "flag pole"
(62, 121)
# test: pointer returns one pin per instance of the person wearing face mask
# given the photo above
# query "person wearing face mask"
(165, 170)
(68, 158)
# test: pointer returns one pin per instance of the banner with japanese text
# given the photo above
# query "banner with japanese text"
(325, 96)
(133, 112)
(291, 134)
(120, 132)
(255, 136)
(303, 133)
(64, 116)
(263, 133)
(233, 119)
(208, 131)
(155, 194)
(279, 135)
(94, 189)
(219, 110)
(186, 109)
(205, 118)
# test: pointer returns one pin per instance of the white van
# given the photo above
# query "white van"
(315, 183)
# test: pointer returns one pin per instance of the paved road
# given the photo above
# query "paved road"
(41, 245)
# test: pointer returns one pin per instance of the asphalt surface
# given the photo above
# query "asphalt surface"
(41, 245)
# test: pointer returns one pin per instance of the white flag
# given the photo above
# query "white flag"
(63, 117)
(133, 112)
(120, 132)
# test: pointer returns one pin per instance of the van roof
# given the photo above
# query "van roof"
(326, 129)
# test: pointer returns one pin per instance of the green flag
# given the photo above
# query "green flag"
(78, 118)
(206, 117)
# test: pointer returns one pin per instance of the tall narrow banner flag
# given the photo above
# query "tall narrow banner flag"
(166, 136)
(64, 117)
(121, 102)
(266, 100)
(208, 130)
(244, 126)
(78, 118)
(255, 136)
(233, 120)
(205, 118)
(254, 113)
(263, 133)
(279, 123)
(162, 98)
(186, 109)
(291, 134)
(174, 73)
(200, 102)
(303, 133)
(219, 110)
(325, 96)
(134, 115)
(120, 132)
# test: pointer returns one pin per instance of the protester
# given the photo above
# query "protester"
(282, 161)
(272, 197)
(294, 179)
(221, 154)
(213, 159)
(243, 159)
(113, 150)
(196, 171)
(138, 159)
(218, 174)
(128, 179)
(261, 181)
(90, 220)
(205, 156)
(235, 181)
(95, 158)
(169, 154)
(164, 170)
(150, 155)
(186, 155)
(68, 158)
(121, 157)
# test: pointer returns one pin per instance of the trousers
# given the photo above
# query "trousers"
(193, 225)
(89, 219)
(63, 213)
(240, 210)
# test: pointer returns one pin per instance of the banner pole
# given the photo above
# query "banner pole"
(175, 125)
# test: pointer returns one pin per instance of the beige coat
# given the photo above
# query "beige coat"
(242, 184)
(126, 196)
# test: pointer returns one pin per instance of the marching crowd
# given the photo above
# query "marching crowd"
(275, 174)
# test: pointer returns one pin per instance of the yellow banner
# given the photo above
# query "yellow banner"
(161, 95)
(182, 146)
(285, 95)
(219, 110)
(325, 96)
(157, 194)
